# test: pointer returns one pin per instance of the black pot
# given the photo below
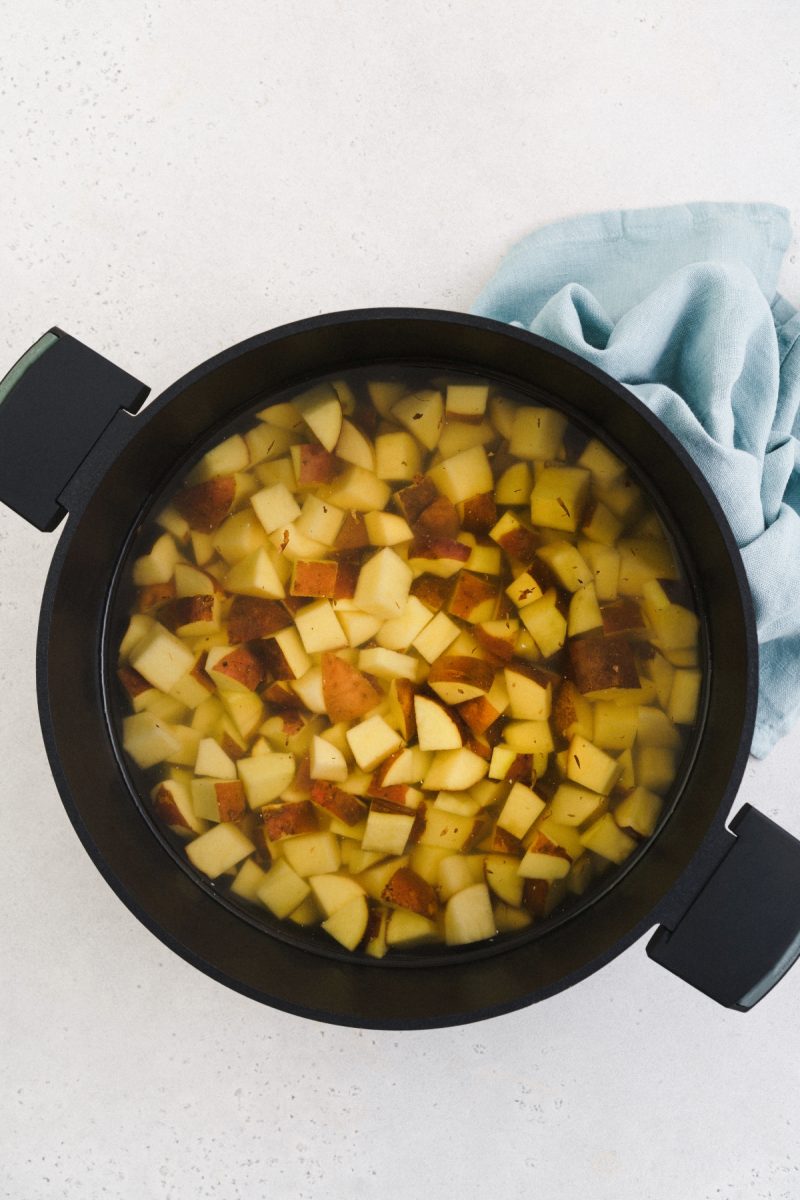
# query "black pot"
(726, 903)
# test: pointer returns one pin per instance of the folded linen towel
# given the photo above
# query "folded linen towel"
(680, 305)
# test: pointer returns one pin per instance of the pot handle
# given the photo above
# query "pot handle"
(741, 934)
(55, 403)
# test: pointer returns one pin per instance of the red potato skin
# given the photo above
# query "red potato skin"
(534, 896)
(439, 519)
(439, 547)
(394, 794)
(314, 579)
(243, 666)
(520, 544)
(346, 579)
(414, 499)
(288, 820)
(478, 715)
(275, 663)
(186, 610)
(500, 649)
(541, 844)
(231, 800)
(347, 692)
(597, 663)
(280, 696)
(470, 591)
(480, 514)
(168, 811)
(132, 681)
(316, 465)
(622, 616)
(405, 692)
(353, 533)
(232, 748)
(460, 668)
(504, 842)
(154, 595)
(252, 617)
(432, 591)
(521, 770)
(408, 890)
(338, 803)
(206, 505)
(564, 707)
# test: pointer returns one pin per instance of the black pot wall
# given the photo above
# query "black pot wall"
(107, 504)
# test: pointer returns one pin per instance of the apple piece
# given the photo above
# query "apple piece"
(327, 762)
(340, 804)
(172, 803)
(414, 499)
(321, 410)
(266, 777)
(219, 849)
(455, 770)
(355, 447)
(591, 767)
(466, 474)
(436, 727)
(639, 812)
(357, 490)
(284, 655)
(283, 890)
(213, 761)
(218, 799)
(248, 880)
(383, 584)
(234, 667)
(408, 890)
(161, 657)
(545, 624)
(536, 433)
(517, 539)
(388, 664)
(387, 529)
(275, 506)
(406, 929)
(159, 564)
(397, 457)
(602, 666)
(604, 837)
(469, 917)
(372, 741)
(239, 536)
(684, 697)
(457, 678)
(520, 810)
(421, 413)
(559, 497)
(255, 575)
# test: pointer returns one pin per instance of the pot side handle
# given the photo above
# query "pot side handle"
(55, 403)
(741, 934)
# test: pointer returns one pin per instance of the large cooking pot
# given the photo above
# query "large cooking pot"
(726, 902)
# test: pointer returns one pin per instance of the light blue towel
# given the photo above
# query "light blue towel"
(680, 305)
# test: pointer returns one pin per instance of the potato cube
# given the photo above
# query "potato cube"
(312, 853)
(161, 658)
(604, 837)
(469, 916)
(265, 777)
(639, 811)
(536, 433)
(387, 832)
(435, 637)
(684, 697)
(558, 497)
(397, 457)
(466, 401)
(283, 890)
(591, 767)
(383, 584)
(372, 741)
(466, 474)
(219, 849)
(275, 506)
(319, 628)
(520, 810)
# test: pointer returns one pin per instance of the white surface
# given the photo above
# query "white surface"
(176, 177)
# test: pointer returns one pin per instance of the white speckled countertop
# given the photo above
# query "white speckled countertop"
(176, 177)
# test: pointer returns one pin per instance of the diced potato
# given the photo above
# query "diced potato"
(219, 849)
